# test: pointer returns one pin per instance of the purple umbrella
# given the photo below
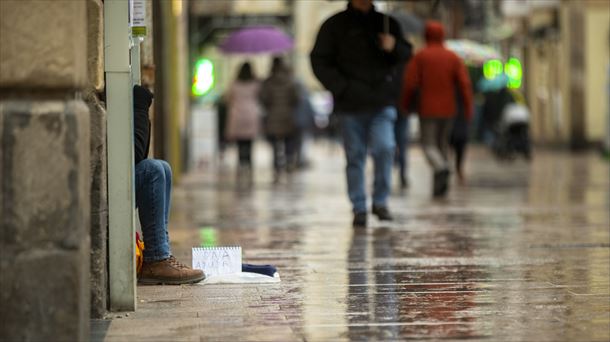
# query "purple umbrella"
(259, 39)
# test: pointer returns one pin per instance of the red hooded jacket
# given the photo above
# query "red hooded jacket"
(436, 73)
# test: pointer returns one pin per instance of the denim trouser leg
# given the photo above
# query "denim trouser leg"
(153, 191)
(382, 150)
(168, 194)
(355, 132)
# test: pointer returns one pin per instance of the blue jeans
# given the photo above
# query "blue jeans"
(377, 131)
(153, 196)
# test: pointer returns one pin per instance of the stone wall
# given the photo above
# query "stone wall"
(99, 207)
(99, 175)
(44, 171)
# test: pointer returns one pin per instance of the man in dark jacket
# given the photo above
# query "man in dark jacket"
(357, 55)
(153, 185)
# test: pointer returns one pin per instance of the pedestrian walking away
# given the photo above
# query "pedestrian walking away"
(458, 139)
(357, 56)
(279, 97)
(153, 187)
(243, 115)
(401, 158)
(433, 74)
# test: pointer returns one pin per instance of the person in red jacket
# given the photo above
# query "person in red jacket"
(433, 75)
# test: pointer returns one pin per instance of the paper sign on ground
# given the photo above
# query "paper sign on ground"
(217, 260)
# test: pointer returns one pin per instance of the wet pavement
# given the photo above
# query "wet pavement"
(521, 253)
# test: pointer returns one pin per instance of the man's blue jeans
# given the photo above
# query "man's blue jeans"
(374, 130)
(153, 196)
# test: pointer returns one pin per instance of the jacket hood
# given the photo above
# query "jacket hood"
(435, 33)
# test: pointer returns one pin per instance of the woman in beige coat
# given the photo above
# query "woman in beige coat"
(243, 113)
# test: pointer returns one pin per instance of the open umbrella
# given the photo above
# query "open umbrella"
(409, 23)
(471, 52)
(257, 39)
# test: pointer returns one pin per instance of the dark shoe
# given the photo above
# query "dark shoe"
(404, 182)
(359, 220)
(441, 183)
(169, 271)
(383, 214)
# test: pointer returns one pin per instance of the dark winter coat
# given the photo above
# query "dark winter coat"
(280, 98)
(142, 99)
(349, 62)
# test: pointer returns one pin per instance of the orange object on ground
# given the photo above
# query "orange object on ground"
(139, 253)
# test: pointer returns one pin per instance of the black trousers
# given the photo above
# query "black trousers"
(245, 152)
(284, 151)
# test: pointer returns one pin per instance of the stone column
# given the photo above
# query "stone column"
(99, 174)
(44, 171)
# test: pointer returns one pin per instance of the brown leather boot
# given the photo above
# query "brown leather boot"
(169, 271)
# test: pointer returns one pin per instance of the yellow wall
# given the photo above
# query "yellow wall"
(550, 77)
(259, 6)
(547, 91)
(597, 33)
(309, 16)
(175, 69)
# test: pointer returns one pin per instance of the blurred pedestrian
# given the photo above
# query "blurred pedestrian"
(243, 114)
(356, 56)
(305, 124)
(153, 188)
(434, 73)
(494, 103)
(458, 139)
(401, 134)
(279, 97)
(401, 158)
(221, 110)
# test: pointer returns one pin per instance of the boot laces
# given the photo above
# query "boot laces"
(174, 262)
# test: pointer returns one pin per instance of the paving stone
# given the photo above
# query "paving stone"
(513, 256)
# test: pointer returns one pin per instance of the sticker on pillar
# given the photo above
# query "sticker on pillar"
(137, 17)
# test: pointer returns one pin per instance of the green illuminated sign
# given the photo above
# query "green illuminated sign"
(513, 70)
(203, 80)
(492, 69)
(208, 237)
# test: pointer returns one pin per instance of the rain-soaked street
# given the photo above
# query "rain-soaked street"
(520, 253)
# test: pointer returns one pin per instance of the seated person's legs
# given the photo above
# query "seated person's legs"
(153, 205)
(153, 193)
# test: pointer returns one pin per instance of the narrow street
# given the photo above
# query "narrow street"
(519, 253)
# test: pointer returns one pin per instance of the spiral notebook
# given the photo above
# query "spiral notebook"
(219, 260)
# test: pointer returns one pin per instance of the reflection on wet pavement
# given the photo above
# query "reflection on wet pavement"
(521, 253)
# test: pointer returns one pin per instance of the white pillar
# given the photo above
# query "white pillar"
(119, 102)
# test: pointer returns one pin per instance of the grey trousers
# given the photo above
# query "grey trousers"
(435, 142)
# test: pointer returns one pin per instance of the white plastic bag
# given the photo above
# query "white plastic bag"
(241, 278)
